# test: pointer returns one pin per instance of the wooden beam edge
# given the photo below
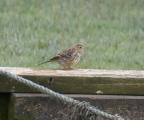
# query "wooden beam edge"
(76, 72)
(81, 96)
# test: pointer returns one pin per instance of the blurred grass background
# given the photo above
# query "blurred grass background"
(112, 31)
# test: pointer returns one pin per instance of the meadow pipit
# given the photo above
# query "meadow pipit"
(68, 57)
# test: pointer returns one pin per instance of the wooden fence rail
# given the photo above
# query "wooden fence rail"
(19, 102)
(82, 81)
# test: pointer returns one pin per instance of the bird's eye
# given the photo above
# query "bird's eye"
(80, 47)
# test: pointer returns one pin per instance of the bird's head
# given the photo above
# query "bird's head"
(79, 47)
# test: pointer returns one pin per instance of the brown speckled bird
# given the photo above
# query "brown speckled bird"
(68, 57)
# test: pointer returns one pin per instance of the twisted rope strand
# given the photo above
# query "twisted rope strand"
(58, 96)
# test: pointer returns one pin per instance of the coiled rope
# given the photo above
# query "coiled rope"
(89, 108)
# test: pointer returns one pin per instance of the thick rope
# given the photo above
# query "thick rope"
(60, 97)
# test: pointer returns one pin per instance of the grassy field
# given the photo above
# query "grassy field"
(34, 30)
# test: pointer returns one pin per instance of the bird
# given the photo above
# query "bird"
(67, 58)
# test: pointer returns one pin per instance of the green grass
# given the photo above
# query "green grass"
(34, 30)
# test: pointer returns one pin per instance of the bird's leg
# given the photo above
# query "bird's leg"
(66, 67)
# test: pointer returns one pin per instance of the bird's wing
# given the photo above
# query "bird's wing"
(67, 53)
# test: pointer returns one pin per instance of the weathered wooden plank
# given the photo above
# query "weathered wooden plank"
(76, 72)
(42, 107)
(84, 81)
(4, 103)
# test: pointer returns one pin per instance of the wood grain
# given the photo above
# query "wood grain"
(80, 81)
(42, 107)
(76, 72)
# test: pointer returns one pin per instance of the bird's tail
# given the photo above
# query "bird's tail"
(44, 62)
(51, 60)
